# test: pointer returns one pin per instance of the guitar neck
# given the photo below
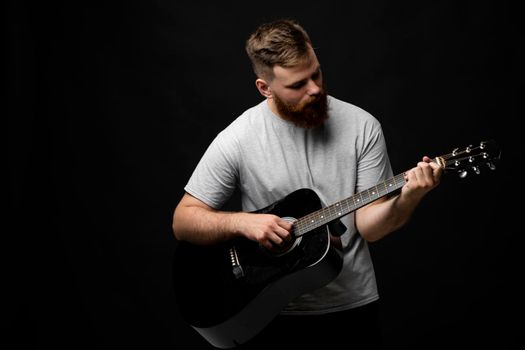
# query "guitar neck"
(460, 160)
(344, 207)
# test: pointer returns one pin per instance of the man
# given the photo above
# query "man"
(300, 137)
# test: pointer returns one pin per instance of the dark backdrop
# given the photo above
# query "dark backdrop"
(110, 106)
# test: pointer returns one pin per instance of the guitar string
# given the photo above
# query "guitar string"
(336, 210)
(344, 207)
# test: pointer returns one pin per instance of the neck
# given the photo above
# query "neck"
(273, 107)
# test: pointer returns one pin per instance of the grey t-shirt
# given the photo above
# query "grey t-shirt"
(268, 158)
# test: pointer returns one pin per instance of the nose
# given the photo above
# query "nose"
(313, 88)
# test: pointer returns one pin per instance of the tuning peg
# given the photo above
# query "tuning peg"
(463, 174)
(476, 170)
(491, 166)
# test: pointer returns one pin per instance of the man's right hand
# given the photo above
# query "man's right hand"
(267, 229)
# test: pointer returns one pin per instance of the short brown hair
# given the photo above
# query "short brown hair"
(282, 42)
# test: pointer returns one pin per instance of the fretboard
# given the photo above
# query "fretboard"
(337, 210)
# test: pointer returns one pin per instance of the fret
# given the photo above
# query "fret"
(373, 192)
(348, 205)
(358, 200)
(379, 188)
(339, 209)
(364, 196)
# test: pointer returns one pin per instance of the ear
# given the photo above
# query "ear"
(263, 87)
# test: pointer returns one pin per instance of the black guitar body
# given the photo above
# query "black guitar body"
(231, 291)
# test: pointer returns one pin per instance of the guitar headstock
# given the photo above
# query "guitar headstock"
(471, 158)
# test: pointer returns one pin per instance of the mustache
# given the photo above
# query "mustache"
(313, 102)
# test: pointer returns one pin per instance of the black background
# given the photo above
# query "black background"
(110, 106)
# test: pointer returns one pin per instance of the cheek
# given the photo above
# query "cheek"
(295, 97)
(290, 96)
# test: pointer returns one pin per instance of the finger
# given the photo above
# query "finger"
(436, 171)
(275, 239)
(423, 175)
(285, 224)
(418, 176)
(436, 168)
(410, 175)
(268, 244)
(283, 233)
(427, 171)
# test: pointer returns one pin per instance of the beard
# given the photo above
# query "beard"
(308, 114)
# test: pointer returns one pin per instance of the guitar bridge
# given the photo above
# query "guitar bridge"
(237, 270)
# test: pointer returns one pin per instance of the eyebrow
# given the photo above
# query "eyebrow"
(317, 71)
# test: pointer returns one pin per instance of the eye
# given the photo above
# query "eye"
(297, 85)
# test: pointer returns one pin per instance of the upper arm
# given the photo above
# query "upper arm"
(190, 201)
(216, 175)
(373, 163)
(184, 213)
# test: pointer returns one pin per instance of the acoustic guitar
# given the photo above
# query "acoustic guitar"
(230, 291)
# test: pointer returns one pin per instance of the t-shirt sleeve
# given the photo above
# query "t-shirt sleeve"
(373, 162)
(215, 177)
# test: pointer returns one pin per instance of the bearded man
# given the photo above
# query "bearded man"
(300, 137)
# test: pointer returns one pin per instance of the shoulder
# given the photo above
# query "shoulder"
(344, 113)
(229, 142)
(251, 117)
(245, 126)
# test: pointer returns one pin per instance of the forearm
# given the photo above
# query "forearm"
(202, 226)
(378, 220)
(384, 216)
